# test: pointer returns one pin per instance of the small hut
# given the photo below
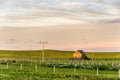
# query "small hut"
(80, 55)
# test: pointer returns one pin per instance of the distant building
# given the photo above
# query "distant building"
(80, 55)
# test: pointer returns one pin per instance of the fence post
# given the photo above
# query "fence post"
(21, 66)
(36, 67)
(119, 73)
(97, 72)
(54, 69)
(7, 65)
(74, 69)
(31, 62)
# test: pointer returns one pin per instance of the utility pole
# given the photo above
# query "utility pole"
(43, 54)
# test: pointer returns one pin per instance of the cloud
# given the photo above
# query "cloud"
(29, 11)
(113, 21)
(11, 41)
(3, 1)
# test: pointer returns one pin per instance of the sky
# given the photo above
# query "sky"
(90, 25)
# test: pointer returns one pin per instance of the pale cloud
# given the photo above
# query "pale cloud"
(74, 11)
(112, 21)
(40, 22)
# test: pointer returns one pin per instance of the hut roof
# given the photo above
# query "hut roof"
(77, 54)
(80, 54)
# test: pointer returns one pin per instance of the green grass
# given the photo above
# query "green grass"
(86, 70)
(104, 55)
(49, 54)
(46, 73)
(56, 54)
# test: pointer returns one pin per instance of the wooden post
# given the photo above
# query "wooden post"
(54, 69)
(36, 67)
(119, 73)
(43, 54)
(21, 66)
(74, 69)
(97, 72)
(7, 65)
(31, 62)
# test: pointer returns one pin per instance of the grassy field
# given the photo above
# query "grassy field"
(27, 65)
(56, 54)
(27, 70)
